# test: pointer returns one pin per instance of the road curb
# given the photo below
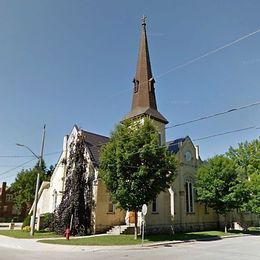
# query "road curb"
(194, 240)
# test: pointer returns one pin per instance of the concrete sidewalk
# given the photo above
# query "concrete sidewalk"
(33, 245)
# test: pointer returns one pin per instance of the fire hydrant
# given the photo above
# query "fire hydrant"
(67, 233)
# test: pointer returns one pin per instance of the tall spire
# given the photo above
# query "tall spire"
(144, 101)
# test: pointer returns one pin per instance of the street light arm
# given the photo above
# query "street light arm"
(22, 145)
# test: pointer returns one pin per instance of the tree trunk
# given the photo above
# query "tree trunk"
(225, 223)
(135, 224)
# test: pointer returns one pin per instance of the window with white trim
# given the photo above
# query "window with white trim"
(189, 197)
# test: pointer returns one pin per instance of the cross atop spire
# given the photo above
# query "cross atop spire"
(143, 19)
(144, 101)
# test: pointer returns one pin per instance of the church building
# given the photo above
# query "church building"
(175, 209)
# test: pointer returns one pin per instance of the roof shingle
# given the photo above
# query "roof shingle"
(94, 143)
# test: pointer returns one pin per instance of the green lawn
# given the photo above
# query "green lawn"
(111, 240)
(21, 234)
(129, 239)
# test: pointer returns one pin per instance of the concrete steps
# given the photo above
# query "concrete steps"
(122, 229)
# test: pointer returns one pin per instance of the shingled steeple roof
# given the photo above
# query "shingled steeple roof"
(144, 101)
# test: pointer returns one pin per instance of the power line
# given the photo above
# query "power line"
(215, 115)
(16, 156)
(197, 139)
(27, 156)
(10, 177)
(193, 140)
(225, 133)
(19, 166)
(7, 166)
(208, 53)
(47, 154)
(201, 138)
(198, 58)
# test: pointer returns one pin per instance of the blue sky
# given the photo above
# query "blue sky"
(72, 62)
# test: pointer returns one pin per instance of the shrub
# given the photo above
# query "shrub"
(26, 229)
(27, 221)
(47, 221)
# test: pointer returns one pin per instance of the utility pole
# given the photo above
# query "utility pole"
(40, 159)
(37, 184)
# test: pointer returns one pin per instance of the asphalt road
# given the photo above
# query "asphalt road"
(239, 248)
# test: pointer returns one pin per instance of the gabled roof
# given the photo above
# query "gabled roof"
(94, 143)
(175, 145)
(140, 111)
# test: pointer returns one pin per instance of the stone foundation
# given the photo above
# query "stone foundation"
(188, 227)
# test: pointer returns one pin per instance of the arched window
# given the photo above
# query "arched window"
(154, 206)
(189, 196)
(111, 206)
(136, 85)
(54, 199)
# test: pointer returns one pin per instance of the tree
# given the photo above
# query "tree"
(134, 168)
(253, 204)
(247, 160)
(218, 186)
(23, 188)
(75, 207)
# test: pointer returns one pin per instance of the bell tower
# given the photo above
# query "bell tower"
(144, 100)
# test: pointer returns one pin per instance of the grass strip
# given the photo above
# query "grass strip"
(22, 234)
(115, 240)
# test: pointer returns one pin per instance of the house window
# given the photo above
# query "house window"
(111, 206)
(151, 85)
(189, 197)
(8, 197)
(14, 211)
(54, 203)
(206, 209)
(136, 85)
(154, 206)
(159, 139)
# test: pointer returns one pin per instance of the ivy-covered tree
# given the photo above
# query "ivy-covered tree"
(134, 168)
(218, 186)
(74, 210)
(23, 188)
(247, 160)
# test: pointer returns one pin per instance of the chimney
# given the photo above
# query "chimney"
(3, 188)
(65, 142)
(197, 151)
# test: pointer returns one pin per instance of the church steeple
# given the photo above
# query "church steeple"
(144, 101)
